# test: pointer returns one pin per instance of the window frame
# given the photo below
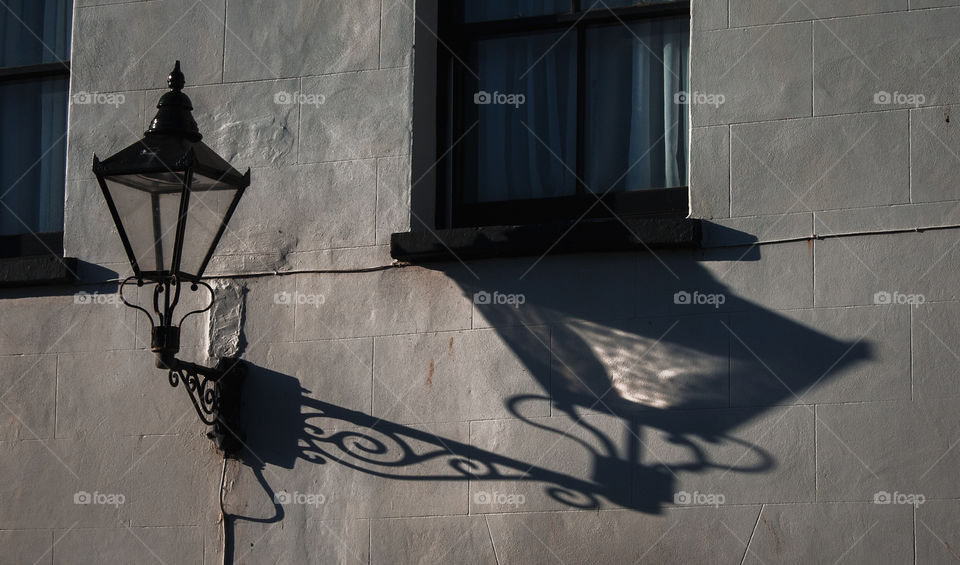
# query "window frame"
(455, 39)
(26, 244)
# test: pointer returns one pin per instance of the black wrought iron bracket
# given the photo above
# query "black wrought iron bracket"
(216, 395)
(215, 392)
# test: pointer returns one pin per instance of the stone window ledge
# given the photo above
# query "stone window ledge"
(27, 260)
(630, 234)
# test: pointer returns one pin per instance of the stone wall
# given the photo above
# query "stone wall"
(391, 419)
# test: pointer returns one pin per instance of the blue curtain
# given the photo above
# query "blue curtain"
(33, 116)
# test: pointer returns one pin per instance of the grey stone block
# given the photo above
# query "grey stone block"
(751, 230)
(43, 477)
(190, 477)
(396, 33)
(935, 161)
(460, 539)
(881, 218)
(397, 301)
(558, 464)
(702, 535)
(763, 73)
(935, 350)
(65, 322)
(553, 288)
(250, 124)
(180, 544)
(337, 371)
(642, 363)
(88, 230)
(828, 533)
(936, 531)
(757, 12)
(876, 447)
(749, 456)
(304, 208)
(267, 316)
(709, 14)
(710, 172)
(769, 277)
(362, 472)
(101, 128)
(28, 385)
(27, 546)
(858, 60)
(118, 393)
(393, 197)
(310, 541)
(852, 270)
(364, 115)
(449, 377)
(822, 355)
(317, 38)
(137, 43)
(848, 162)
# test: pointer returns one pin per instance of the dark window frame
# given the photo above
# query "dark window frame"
(455, 38)
(33, 244)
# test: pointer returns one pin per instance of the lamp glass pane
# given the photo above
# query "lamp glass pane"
(148, 206)
(209, 203)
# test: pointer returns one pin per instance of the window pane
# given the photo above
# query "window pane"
(487, 10)
(636, 131)
(525, 105)
(33, 125)
(34, 31)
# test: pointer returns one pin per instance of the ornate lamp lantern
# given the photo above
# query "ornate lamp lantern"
(171, 198)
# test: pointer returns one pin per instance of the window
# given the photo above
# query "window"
(547, 105)
(34, 85)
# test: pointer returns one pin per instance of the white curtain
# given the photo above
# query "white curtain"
(33, 116)
(635, 133)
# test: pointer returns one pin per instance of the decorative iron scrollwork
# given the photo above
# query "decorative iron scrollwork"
(203, 390)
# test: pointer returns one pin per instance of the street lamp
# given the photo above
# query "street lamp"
(171, 197)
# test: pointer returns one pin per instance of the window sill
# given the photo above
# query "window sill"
(632, 234)
(27, 261)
